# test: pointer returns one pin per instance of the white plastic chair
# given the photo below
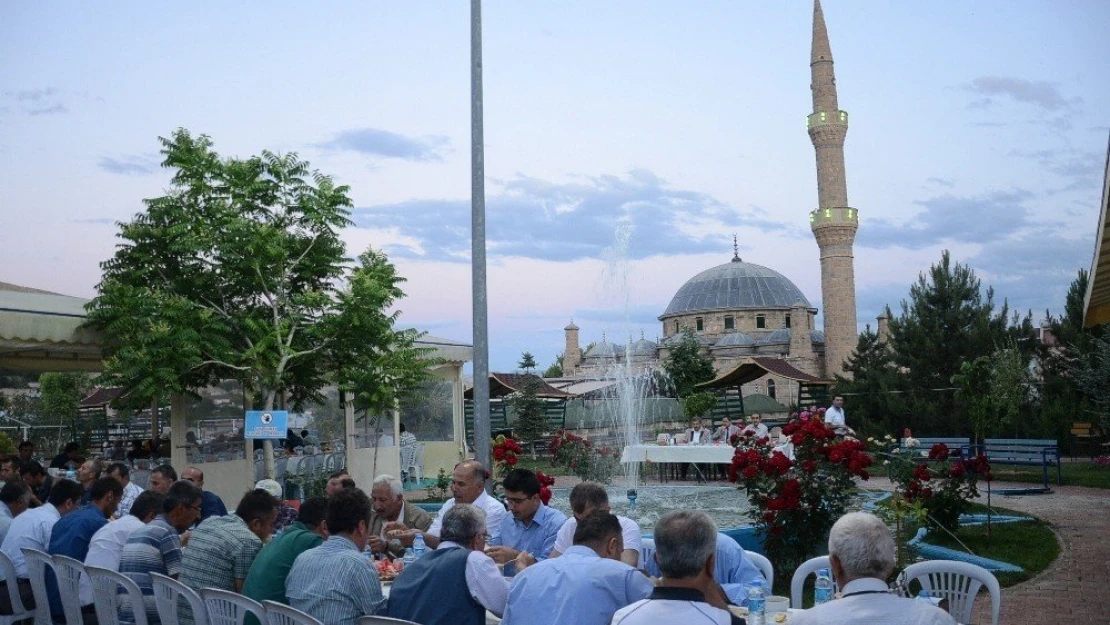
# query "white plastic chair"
(230, 608)
(37, 564)
(281, 614)
(959, 583)
(763, 564)
(19, 611)
(69, 572)
(106, 584)
(807, 568)
(383, 620)
(168, 594)
(647, 555)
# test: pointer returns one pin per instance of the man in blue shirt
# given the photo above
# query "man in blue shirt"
(585, 585)
(531, 529)
(210, 503)
(72, 533)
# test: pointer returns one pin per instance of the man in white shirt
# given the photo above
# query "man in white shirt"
(589, 497)
(698, 435)
(106, 545)
(468, 485)
(15, 497)
(861, 555)
(756, 428)
(131, 491)
(835, 419)
(32, 529)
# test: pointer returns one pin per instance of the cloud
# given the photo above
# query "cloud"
(1042, 94)
(383, 143)
(940, 182)
(952, 218)
(128, 165)
(560, 221)
(1081, 170)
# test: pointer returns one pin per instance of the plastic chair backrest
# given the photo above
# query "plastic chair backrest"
(69, 572)
(168, 595)
(647, 556)
(383, 620)
(230, 608)
(37, 564)
(106, 588)
(959, 583)
(281, 614)
(763, 564)
(807, 568)
(19, 611)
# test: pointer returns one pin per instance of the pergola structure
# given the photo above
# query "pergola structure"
(504, 385)
(41, 331)
(812, 390)
(1096, 304)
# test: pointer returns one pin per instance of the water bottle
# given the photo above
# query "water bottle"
(823, 587)
(409, 557)
(756, 603)
(71, 474)
(418, 546)
(925, 597)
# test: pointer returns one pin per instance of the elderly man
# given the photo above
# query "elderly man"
(71, 535)
(861, 555)
(390, 508)
(585, 499)
(106, 546)
(87, 474)
(685, 548)
(131, 491)
(161, 478)
(531, 530)
(222, 549)
(32, 529)
(756, 427)
(468, 485)
(335, 582)
(456, 583)
(211, 504)
(585, 586)
(266, 579)
(732, 570)
(286, 514)
(15, 497)
(156, 546)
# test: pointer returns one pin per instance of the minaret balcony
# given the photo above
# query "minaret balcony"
(839, 215)
(825, 118)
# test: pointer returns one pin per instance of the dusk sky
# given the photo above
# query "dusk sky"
(626, 142)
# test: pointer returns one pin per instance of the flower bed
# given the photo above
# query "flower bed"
(582, 458)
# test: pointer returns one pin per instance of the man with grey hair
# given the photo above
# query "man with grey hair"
(388, 498)
(468, 485)
(428, 591)
(861, 555)
(685, 548)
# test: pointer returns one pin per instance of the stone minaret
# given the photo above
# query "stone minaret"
(834, 223)
(572, 354)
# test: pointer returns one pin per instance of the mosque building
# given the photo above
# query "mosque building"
(741, 310)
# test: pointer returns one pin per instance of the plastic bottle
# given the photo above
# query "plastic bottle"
(756, 603)
(71, 474)
(823, 587)
(418, 545)
(925, 597)
(409, 557)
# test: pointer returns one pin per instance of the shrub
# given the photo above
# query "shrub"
(589, 462)
(944, 485)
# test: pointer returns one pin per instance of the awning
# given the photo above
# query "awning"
(503, 384)
(41, 331)
(1096, 304)
(751, 369)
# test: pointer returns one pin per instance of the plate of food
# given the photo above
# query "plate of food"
(387, 571)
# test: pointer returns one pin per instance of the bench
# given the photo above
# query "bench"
(956, 446)
(1025, 451)
(1085, 434)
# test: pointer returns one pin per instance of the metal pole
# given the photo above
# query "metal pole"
(478, 242)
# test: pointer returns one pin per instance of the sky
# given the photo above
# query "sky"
(626, 142)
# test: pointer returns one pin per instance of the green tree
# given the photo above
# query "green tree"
(873, 387)
(697, 405)
(527, 362)
(59, 397)
(239, 272)
(1067, 393)
(973, 392)
(556, 368)
(686, 365)
(948, 320)
(531, 421)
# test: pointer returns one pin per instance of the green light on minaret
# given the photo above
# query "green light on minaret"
(828, 212)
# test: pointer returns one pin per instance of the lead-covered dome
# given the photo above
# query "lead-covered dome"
(733, 286)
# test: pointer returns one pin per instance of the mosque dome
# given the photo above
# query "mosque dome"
(778, 337)
(644, 347)
(603, 349)
(734, 339)
(735, 285)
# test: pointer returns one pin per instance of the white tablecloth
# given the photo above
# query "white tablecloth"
(713, 454)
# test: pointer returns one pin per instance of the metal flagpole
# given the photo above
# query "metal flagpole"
(478, 242)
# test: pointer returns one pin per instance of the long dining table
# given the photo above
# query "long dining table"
(674, 454)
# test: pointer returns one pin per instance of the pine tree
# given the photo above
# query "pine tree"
(531, 421)
(872, 388)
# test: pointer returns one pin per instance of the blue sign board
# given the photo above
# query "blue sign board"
(266, 424)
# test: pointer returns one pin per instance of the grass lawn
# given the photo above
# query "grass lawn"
(1081, 473)
(1030, 545)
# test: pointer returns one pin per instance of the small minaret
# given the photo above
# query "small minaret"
(572, 354)
(834, 223)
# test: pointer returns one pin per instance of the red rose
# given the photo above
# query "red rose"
(498, 453)
(751, 471)
(922, 473)
(938, 452)
(956, 470)
(545, 494)
(511, 460)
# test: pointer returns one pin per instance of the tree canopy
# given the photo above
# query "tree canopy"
(239, 272)
(686, 365)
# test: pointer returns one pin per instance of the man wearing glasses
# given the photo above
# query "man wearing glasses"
(533, 527)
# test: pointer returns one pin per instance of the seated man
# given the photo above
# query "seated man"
(161, 478)
(685, 548)
(71, 535)
(131, 491)
(286, 514)
(456, 583)
(335, 582)
(211, 505)
(468, 485)
(266, 579)
(861, 555)
(222, 548)
(732, 570)
(698, 435)
(532, 528)
(388, 498)
(585, 499)
(585, 586)
(725, 433)
(15, 498)
(338, 481)
(756, 428)
(106, 546)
